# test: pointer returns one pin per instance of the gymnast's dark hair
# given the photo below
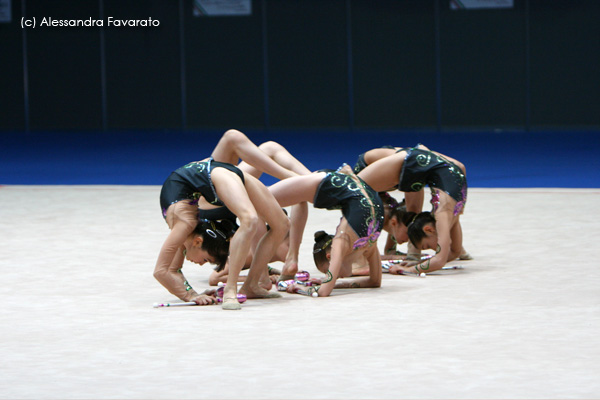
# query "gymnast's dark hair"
(403, 216)
(415, 229)
(389, 204)
(321, 247)
(215, 239)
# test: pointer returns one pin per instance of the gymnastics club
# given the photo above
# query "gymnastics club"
(188, 303)
(223, 284)
(386, 265)
(449, 267)
(386, 268)
(424, 258)
(283, 285)
(305, 293)
(241, 299)
(421, 275)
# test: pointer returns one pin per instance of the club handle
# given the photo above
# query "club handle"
(187, 303)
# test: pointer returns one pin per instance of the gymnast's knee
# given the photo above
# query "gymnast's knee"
(269, 147)
(281, 226)
(234, 136)
(249, 223)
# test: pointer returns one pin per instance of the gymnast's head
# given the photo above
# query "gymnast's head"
(398, 221)
(322, 250)
(210, 242)
(422, 232)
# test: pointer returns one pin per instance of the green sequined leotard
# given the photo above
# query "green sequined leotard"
(422, 167)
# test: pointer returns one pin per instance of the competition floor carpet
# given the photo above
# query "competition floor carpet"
(80, 231)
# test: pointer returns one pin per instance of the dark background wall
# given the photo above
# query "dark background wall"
(336, 64)
(512, 93)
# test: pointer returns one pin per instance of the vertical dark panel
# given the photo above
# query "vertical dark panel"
(143, 66)
(308, 65)
(12, 109)
(394, 63)
(64, 67)
(565, 63)
(483, 67)
(224, 69)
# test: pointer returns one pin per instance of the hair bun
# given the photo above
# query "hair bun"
(320, 235)
(227, 226)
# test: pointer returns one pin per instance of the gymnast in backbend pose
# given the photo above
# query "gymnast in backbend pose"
(220, 183)
(413, 203)
(415, 200)
(410, 170)
(288, 250)
(357, 233)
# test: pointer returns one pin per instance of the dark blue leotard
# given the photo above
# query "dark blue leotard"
(422, 167)
(192, 181)
(361, 163)
(360, 204)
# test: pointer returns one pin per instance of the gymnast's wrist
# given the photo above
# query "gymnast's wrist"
(190, 295)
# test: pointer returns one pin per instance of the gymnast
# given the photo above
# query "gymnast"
(221, 270)
(220, 183)
(410, 170)
(391, 207)
(288, 251)
(322, 257)
(415, 200)
(395, 220)
(356, 235)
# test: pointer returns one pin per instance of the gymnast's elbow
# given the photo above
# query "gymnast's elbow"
(325, 291)
(375, 282)
(159, 274)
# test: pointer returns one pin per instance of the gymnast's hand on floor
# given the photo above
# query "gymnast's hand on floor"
(409, 263)
(399, 269)
(292, 288)
(205, 299)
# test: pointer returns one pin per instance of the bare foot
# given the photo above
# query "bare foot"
(288, 271)
(265, 282)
